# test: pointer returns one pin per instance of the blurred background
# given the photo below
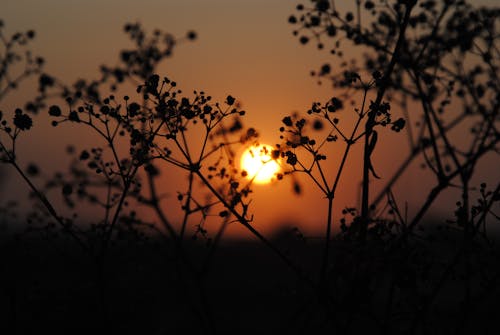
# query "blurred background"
(244, 48)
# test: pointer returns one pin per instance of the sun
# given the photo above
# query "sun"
(259, 165)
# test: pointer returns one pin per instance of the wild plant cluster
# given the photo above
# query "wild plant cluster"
(428, 71)
(434, 65)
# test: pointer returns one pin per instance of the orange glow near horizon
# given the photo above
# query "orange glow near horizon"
(253, 57)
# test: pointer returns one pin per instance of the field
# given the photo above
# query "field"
(132, 204)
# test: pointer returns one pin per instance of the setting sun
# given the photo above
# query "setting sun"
(257, 161)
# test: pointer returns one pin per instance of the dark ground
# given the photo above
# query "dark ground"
(51, 287)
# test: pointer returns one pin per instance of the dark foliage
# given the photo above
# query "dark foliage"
(428, 69)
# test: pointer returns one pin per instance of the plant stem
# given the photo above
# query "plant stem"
(371, 122)
(326, 251)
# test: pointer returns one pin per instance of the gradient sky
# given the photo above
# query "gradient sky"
(245, 48)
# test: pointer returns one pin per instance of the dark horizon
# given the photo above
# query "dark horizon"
(232, 167)
(281, 86)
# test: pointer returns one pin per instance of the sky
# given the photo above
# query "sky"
(244, 48)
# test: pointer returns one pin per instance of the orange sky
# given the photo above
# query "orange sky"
(245, 48)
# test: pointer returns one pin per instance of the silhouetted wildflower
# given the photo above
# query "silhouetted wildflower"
(54, 110)
(32, 170)
(22, 121)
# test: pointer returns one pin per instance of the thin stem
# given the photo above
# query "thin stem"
(109, 232)
(349, 142)
(45, 201)
(371, 121)
(326, 250)
(187, 206)
(242, 220)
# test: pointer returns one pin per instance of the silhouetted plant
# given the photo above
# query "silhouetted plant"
(428, 70)
(441, 56)
(161, 131)
(17, 64)
(156, 130)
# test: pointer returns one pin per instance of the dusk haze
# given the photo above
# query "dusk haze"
(249, 167)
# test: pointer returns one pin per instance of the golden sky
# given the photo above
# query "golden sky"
(244, 48)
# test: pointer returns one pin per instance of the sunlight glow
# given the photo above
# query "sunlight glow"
(257, 161)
